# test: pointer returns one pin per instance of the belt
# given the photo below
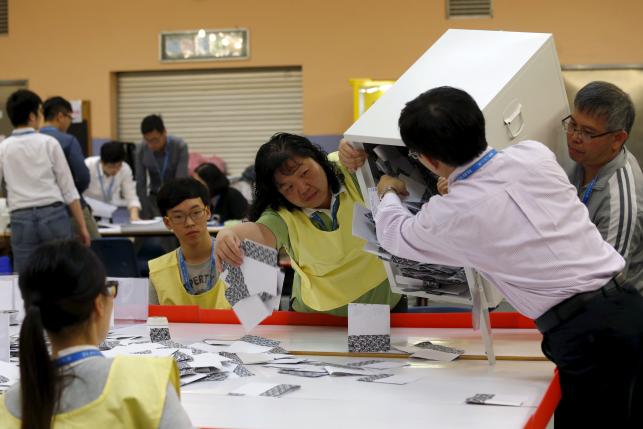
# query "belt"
(574, 305)
(56, 204)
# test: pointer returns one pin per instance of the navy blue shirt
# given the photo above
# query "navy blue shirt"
(74, 155)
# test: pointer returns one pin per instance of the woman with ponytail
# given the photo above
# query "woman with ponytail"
(67, 298)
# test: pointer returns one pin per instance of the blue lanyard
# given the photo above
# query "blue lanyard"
(477, 166)
(186, 275)
(588, 190)
(75, 357)
(317, 220)
(107, 196)
(166, 159)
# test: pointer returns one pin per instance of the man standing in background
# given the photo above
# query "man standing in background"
(58, 118)
(161, 158)
(607, 176)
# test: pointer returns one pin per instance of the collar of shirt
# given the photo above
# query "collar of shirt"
(309, 212)
(463, 168)
(21, 131)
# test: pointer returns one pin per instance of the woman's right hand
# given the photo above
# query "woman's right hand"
(227, 247)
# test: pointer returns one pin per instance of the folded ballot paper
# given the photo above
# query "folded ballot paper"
(254, 288)
(369, 328)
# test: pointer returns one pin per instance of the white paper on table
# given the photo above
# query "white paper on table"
(101, 208)
(246, 347)
(259, 277)
(251, 311)
(506, 400)
(132, 300)
(386, 365)
(298, 367)
(398, 379)
(147, 221)
(369, 319)
(204, 360)
(4, 336)
(191, 378)
(334, 370)
(135, 348)
(253, 388)
(210, 348)
(289, 360)
(255, 358)
(362, 228)
(10, 371)
(432, 354)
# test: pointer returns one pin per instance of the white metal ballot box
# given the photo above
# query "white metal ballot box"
(516, 80)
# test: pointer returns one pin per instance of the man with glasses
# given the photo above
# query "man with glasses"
(608, 177)
(159, 159)
(187, 275)
(58, 118)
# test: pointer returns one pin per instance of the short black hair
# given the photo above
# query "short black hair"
(21, 104)
(606, 101)
(273, 156)
(445, 124)
(152, 123)
(216, 181)
(112, 152)
(176, 191)
(55, 105)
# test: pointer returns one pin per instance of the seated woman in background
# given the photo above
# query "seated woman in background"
(225, 202)
(187, 275)
(304, 203)
(65, 295)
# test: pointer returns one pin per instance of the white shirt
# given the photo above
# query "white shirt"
(517, 220)
(36, 171)
(122, 186)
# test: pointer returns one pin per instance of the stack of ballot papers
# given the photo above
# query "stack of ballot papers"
(254, 288)
(414, 276)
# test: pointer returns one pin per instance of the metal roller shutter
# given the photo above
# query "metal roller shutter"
(228, 113)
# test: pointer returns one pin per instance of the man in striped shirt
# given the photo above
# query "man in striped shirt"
(607, 175)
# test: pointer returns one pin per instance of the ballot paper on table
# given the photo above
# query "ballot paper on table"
(11, 298)
(369, 328)
(4, 336)
(131, 303)
(429, 351)
(253, 289)
(9, 374)
(493, 399)
(390, 378)
(264, 389)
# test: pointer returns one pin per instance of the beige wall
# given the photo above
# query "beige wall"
(72, 47)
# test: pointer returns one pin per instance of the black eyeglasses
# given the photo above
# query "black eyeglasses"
(570, 127)
(181, 218)
(112, 287)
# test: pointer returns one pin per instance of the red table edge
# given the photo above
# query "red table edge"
(193, 314)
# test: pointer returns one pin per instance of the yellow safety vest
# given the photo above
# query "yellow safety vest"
(133, 397)
(334, 268)
(166, 278)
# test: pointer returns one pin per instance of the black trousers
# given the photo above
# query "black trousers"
(599, 355)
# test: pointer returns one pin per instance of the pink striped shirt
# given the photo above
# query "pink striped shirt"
(517, 221)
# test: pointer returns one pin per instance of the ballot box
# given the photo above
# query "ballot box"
(516, 80)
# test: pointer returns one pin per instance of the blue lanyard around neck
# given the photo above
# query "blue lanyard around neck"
(317, 219)
(107, 196)
(186, 276)
(588, 190)
(477, 166)
(75, 357)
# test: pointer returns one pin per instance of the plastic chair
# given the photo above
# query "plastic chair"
(118, 256)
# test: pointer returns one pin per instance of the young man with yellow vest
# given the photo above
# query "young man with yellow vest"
(187, 275)
(77, 387)
(304, 203)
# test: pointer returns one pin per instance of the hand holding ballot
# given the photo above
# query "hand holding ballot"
(350, 157)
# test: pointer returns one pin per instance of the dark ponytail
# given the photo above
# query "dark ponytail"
(58, 285)
(39, 379)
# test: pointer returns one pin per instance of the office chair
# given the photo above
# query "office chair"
(118, 256)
